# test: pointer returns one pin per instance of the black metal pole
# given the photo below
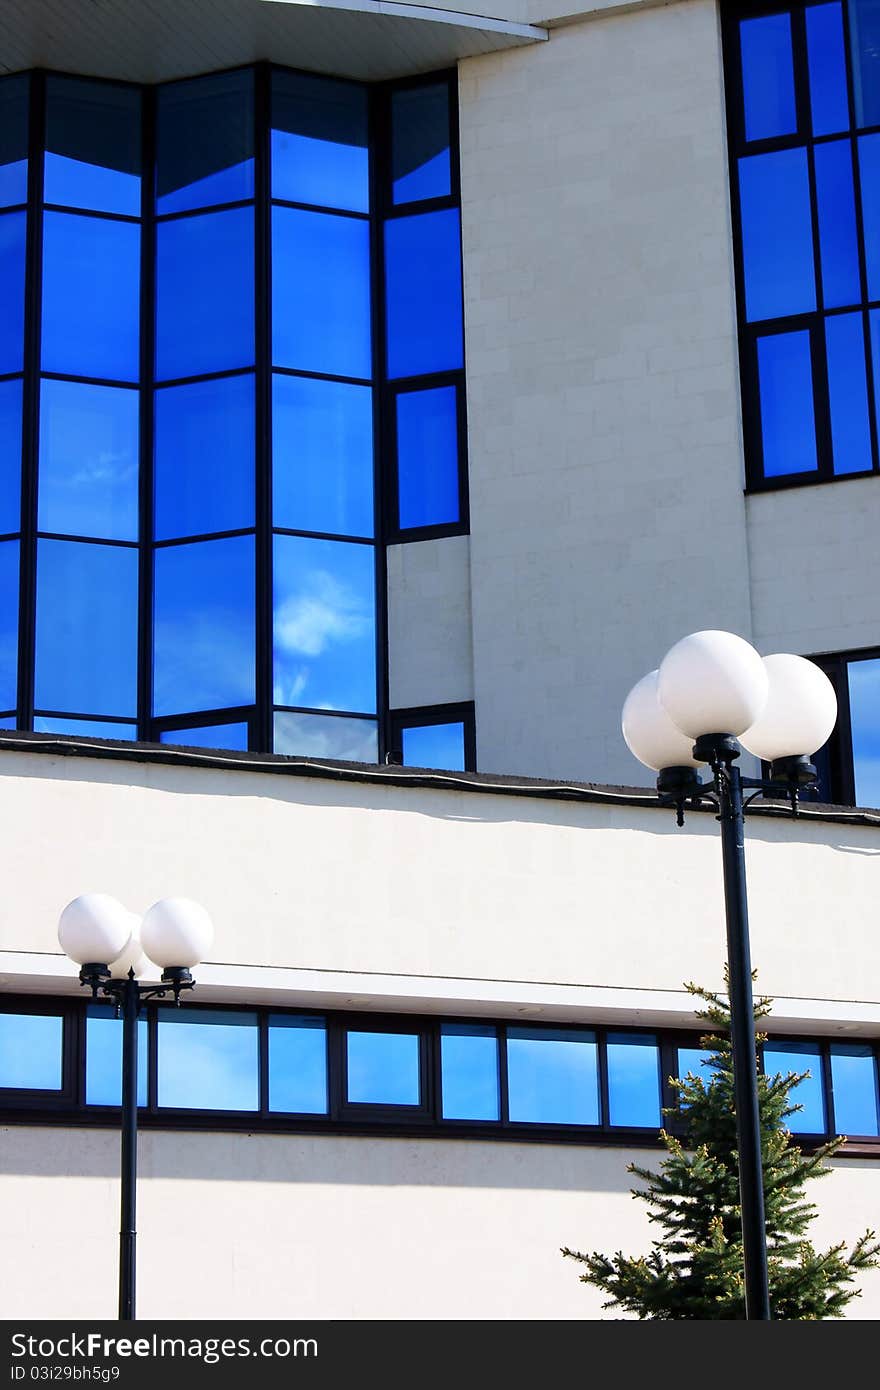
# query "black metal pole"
(742, 1037)
(127, 1231)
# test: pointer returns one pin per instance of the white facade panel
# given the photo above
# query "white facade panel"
(430, 645)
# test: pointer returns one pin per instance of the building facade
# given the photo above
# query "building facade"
(395, 388)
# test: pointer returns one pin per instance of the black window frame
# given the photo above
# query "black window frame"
(259, 715)
(343, 1117)
(839, 748)
(732, 12)
(424, 716)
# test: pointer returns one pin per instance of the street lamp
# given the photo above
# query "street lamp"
(111, 947)
(711, 689)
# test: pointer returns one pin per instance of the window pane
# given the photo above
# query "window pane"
(383, 1068)
(788, 430)
(827, 63)
(469, 1062)
(864, 711)
(767, 77)
(434, 745)
(869, 164)
(777, 237)
(782, 1058)
(205, 448)
(87, 611)
(695, 1061)
(93, 146)
(209, 736)
(325, 624)
(297, 1065)
(319, 141)
(10, 457)
(14, 98)
(423, 293)
(864, 24)
(104, 1057)
(323, 736)
(420, 164)
(204, 626)
(91, 296)
(854, 1079)
(9, 561)
(205, 294)
(427, 457)
(12, 249)
(205, 142)
(553, 1076)
(838, 241)
(848, 392)
(8, 722)
(321, 292)
(84, 728)
(30, 1051)
(633, 1079)
(322, 450)
(88, 460)
(208, 1061)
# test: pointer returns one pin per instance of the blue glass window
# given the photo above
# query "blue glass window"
(12, 251)
(205, 442)
(553, 1076)
(782, 1058)
(786, 392)
(324, 627)
(427, 457)
(203, 654)
(838, 242)
(423, 293)
(104, 1057)
(864, 712)
(854, 1081)
(319, 142)
(84, 728)
(30, 1051)
(205, 142)
(434, 745)
(86, 646)
(864, 26)
(209, 736)
(633, 1079)
(420, 160)
(827, 64)
(91, 296)
(695, 1061)
(297, 1064)
(9, 562)
(93, 146)
(88, 460)
(869, 164)
(322, 456)
(469, 1071)
(321, 293)
(10, 457)
(324, 736)
(383, 1068)
(848, 393)
(14, 99)
(205, 294)
(208, 1061)
(777, 235)
(767, 77)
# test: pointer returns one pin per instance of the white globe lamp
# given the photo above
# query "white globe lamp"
(94, 929)
(177, 933)
(713, 683)
(649, 733)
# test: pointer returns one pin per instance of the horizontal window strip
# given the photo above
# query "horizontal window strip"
(296, 1070)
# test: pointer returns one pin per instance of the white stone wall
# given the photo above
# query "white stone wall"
(323, 1227)
(605, 460)
(430, 645)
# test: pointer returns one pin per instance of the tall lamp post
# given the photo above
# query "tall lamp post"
(712, 689)
(111, 947)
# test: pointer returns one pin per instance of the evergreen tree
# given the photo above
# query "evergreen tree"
(694, 1269)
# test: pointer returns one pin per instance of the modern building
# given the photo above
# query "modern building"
(383, 390)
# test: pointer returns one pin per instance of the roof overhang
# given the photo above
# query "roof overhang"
(366, 39)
